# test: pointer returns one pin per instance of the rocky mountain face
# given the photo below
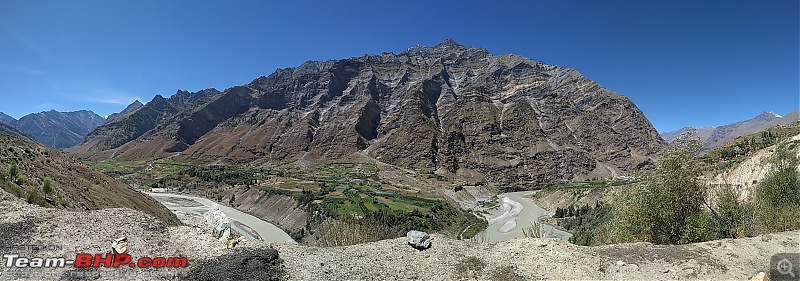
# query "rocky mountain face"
(105, 141)
(452, 110)
(59, 130)
(130, 108)
(712, 137)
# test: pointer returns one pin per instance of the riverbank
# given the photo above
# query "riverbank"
(516, 212)
(249, 226)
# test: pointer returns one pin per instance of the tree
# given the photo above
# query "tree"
(668, 207)
(13, 171)
(48, 188)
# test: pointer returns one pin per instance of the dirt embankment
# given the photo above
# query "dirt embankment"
(281, 210)
(745, 175)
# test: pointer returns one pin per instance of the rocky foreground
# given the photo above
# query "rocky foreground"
(447, 259)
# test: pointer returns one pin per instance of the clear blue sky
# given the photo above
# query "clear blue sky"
(682, 62)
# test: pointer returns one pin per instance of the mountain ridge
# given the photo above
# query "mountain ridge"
(55, 129)
(452, 110)
(715, 136)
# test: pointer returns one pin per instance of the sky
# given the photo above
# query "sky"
(699, 63)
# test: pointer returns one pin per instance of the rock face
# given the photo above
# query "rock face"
(453, 110)
(59, 130)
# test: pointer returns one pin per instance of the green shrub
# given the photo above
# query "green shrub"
(733, 218)
(35, 198)
(777, 196)
(667, 208)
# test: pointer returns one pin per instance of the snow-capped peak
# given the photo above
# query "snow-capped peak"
(774, 114)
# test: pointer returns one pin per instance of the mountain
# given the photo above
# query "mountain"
(6, 119)
(130, 108)
(712, 137)
(59, 130)
(790, 118)
(104, 141)
(452, 110)
(13, 131)
(77, 186)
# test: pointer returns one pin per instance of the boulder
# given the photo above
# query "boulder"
(218, 223)
(418, 239)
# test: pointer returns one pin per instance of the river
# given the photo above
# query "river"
(249, 226)
(517, 212)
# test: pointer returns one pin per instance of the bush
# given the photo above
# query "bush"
(35, 198)
(733, 218)
(778, 195)
(668, 207)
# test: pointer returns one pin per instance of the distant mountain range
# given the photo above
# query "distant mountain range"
(712, 137)
(59, 130)
(451, 110)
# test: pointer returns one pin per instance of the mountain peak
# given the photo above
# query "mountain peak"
(766, 116)
(449, 43)
(130, 108)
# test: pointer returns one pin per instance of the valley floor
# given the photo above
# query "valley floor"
(448, 259)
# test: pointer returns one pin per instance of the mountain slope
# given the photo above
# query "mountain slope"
(712, 137)
(77, 186)
(453, 110)
(13, 131)
(750, 164)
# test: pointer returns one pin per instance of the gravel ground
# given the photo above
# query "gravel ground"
(448, 259)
